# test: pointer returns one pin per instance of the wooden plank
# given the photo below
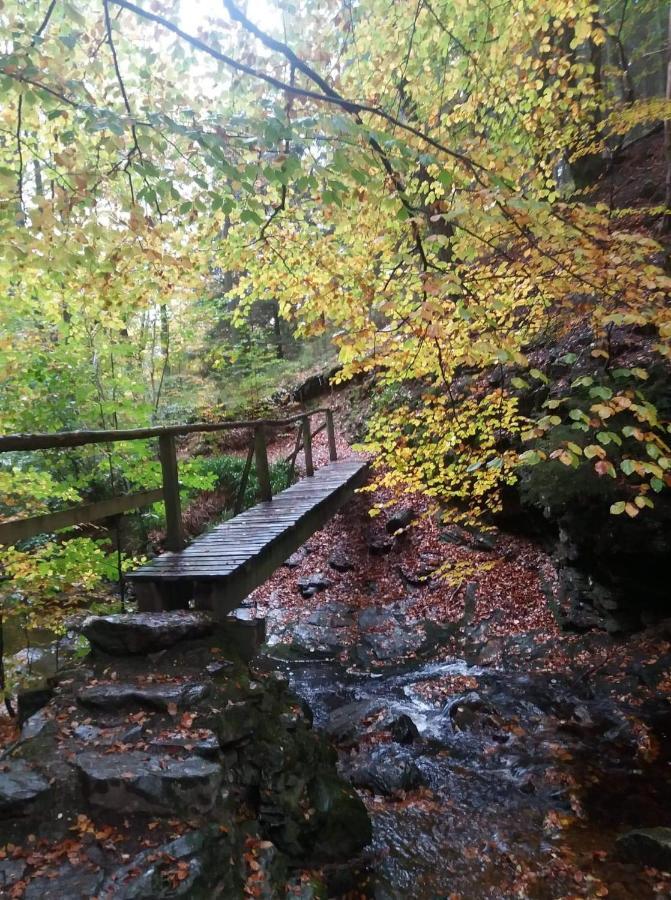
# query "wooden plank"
(15, 530)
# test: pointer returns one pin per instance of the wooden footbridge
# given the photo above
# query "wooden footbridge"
(219, 568)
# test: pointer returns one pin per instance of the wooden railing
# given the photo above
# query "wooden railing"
(13, 530)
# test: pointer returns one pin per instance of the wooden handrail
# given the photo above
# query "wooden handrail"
(60, 439)
(19, 529)
(13, 530)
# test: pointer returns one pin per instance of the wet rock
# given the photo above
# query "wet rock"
(349, 722)
(208, 747)
(114, 695)
(308, 638)
(393, 644)
(218, 667)
(36, 739)
(647, 846)
(295, 560)
(343, 827)
(312, 584)
(373, 617)
(31, 701)
(209, 870)
(379, 546)
(472, 712)
(70, 883)
(403, 730)
(476, 540)
(400, 519)
(331, 615)
(387, 770)
(20, 788)
(340, 561)
(87, 733)
(132, 633)
(11, 871)
(137, 782)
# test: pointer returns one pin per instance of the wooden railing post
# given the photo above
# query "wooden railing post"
(173, 511)
(262, 469)
(240, 499)
(330, 431)
(307, 446)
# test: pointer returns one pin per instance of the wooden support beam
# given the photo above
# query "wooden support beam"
(307, 447)
(19, 529)
(262, 470)
(174, 539)
(240, 499)
(330, 430)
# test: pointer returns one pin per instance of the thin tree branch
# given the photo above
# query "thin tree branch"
(329, 96)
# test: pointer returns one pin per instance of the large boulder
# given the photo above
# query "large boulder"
(132, 633)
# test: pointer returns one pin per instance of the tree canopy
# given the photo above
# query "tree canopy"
(411, 179)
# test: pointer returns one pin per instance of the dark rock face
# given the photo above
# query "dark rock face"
(20, 788)
(312, 584)
(403, 730)
(387, 770)
(132, 633)
(647, 846)
(295, 560)
(136, 782)
(206, 854)
(379, 546)
(70, 882)
(11, 871)
(30, 702)
(340, 561)
(115, 695)
(400, 519)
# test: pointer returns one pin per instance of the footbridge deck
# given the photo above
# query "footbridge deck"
(221, 567)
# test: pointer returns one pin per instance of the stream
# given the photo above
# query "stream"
(484, 782)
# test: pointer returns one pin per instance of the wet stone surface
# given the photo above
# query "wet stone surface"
(153, 779)
(115, 695)
(20, 788)
(136, 782)
(144, 632)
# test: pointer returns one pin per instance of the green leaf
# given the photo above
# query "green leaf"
(618, 508)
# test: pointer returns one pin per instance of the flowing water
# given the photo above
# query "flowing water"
(519, 782)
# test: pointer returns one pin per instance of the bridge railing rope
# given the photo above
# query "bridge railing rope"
(17, 529)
